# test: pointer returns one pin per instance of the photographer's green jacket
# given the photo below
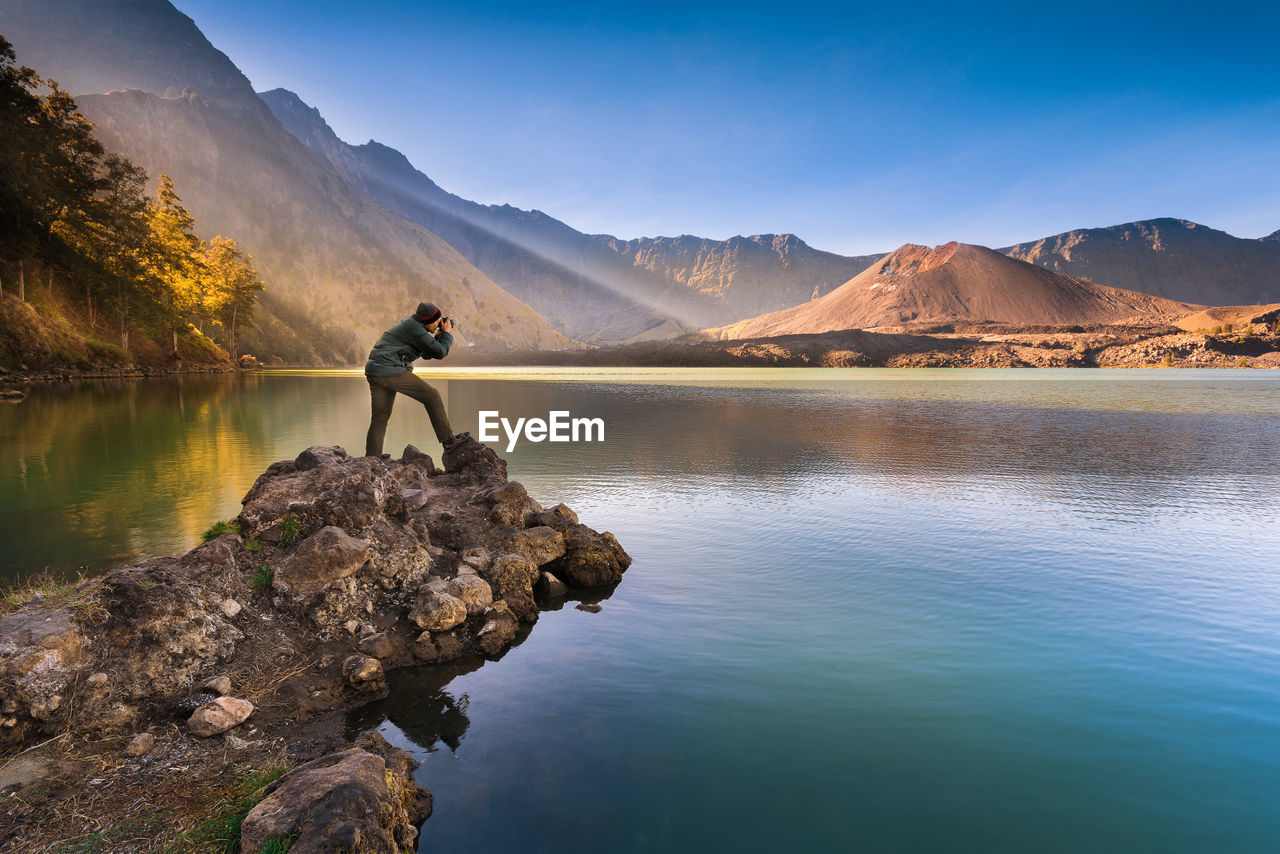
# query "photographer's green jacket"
(401, 344)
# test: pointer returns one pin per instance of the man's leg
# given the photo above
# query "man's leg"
(383, 399)
(413, 386)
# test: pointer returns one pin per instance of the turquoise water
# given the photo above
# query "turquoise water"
(872, 610)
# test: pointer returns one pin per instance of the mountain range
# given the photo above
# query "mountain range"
(349, 237)
(957, 282)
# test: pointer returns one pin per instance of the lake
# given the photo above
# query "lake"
(885, 610)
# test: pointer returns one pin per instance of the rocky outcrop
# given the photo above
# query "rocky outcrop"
(353, 800)
(343, 569)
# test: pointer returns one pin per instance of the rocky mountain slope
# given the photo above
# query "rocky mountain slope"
(596, 288)
(1171, 258)
(748, 275)
(579, 286)
(955, 282)
(329, 253)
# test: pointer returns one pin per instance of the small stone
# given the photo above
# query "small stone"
(477, 556)
(97, 680)
(218, 716)
(220, 685)
(550, 587)
(378, 645)
(589, 607)
(231, 608)
(362, 672)
(352, 626)
(236, 743)
(141, 744)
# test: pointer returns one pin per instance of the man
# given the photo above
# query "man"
(425, 335)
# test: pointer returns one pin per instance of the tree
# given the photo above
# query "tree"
(233, 285)
(173, 260)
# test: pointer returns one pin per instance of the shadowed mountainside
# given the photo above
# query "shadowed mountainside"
(330, 255)
(955, 282)
(595, 288)
(1166, 257)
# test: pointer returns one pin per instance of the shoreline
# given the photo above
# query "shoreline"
(287, 619)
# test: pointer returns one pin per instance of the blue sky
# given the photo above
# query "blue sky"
(858, 128)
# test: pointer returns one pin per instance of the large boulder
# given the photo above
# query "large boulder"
(328, 555)
(437, 611)
(541, 545)
(345, 802)
(591, 559)
(321, 487)
(39, 651)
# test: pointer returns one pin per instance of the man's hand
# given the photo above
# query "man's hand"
(446, 325)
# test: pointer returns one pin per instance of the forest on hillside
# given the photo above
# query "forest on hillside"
(93, 272)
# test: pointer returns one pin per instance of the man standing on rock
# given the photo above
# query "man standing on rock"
(425, 335)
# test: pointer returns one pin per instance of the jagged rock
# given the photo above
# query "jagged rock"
(507, 503)
(346, 801)
(550, 587)
(414, 499)
(413, 457)
(140, 745)
(437, 611)
(558, 518)
(472, 590)
(541, 545)
(40, 650)
(476, 557)
(475, 463)
(363, 673)
(377, 645)
(512, 577)
(217, 685)
(317, 456)
(326, 556)
(498, 630)
(439, 648)
(219, 715)
(350, 493)
(591, 559)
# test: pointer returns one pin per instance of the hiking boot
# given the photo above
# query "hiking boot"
(456, 441)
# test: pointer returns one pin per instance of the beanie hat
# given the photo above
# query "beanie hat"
(427, 312)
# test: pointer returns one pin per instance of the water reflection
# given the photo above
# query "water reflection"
(96, 473)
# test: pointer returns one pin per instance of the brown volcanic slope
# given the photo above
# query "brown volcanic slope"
(955, 282)
(1172, 258)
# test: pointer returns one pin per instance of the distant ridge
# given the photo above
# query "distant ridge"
(1173, 258)
(955, 282)
(749, 275)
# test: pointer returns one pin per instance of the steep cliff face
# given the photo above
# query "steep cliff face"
(330, 255)
(1171, 258)
(747, 275)
(141, 44)
(956, 282)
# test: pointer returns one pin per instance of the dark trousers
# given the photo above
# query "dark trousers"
(383, 391)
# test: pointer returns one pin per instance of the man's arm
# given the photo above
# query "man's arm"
(429, 345)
